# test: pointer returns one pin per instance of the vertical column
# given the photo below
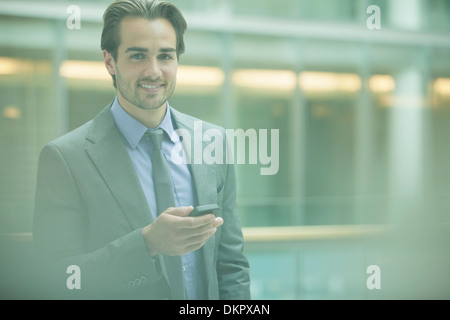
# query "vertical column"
(363, 139)
(62, 106)
(406, 121)
(297, 125)
(406, 143)
(406, 14)
(298, 152)
(228, 100)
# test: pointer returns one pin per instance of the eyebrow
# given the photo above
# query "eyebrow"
(141, 49)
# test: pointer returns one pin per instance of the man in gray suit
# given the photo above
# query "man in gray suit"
(96, 199)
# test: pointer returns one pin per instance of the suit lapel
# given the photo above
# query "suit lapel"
(204, 177)
(108, 152)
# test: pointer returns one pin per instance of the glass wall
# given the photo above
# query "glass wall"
(361, 103)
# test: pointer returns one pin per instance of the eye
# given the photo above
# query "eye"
(138, 56)
(165, 56)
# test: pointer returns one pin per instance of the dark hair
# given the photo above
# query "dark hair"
(150, 10)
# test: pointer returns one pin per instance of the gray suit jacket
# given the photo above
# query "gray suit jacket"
(90, 210)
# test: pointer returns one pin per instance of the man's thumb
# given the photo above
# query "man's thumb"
(180, 211)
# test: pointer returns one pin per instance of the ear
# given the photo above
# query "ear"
(110, 64)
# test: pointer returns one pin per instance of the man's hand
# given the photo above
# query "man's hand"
(175, 233)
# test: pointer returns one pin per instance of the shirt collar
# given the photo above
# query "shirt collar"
(133, 130)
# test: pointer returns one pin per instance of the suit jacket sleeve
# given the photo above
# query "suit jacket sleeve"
(61, 231)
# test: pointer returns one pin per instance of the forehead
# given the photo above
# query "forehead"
(137, 31)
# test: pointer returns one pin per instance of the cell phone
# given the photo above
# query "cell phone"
(201, 210)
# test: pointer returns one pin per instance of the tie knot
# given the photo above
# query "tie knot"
(156, 136)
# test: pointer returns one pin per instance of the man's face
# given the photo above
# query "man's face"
(146, 65)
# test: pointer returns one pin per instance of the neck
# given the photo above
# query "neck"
(151, 118)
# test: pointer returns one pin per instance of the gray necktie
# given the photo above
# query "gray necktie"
(165, 198)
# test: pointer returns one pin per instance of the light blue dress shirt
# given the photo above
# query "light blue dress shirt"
(140, 150)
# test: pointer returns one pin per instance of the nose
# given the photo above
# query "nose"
(152, 69)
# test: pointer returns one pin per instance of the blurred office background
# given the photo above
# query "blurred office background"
(363, 117)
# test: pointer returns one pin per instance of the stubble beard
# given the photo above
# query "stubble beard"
(130, 92)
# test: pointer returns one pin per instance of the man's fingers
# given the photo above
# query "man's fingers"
(202, 233)
(197, 241)
(192, 222)
(194, 228)
(201, 226)
(206, 220)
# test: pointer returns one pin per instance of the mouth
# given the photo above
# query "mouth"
(151, 87)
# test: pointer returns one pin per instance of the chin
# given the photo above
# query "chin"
(151, 106)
